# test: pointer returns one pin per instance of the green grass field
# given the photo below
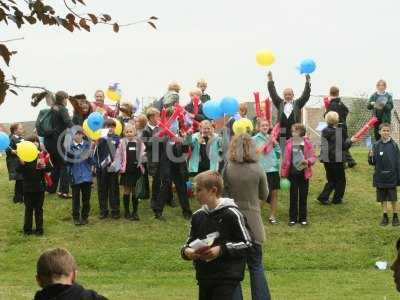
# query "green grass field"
(331, 259)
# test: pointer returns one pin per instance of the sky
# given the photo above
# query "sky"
(354, 43)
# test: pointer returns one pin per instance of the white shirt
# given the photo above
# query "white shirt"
(287, 108)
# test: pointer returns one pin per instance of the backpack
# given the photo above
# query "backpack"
(44, 123)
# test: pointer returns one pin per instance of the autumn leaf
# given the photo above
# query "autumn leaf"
(152, 25)
(116, 27)
(93, 18)
(81, 1)
(153, 18)
(84, 25)
(5, 53)
(107, 17)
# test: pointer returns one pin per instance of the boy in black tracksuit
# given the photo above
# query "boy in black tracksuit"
(108, 165)
(220, 265)
(336, 104)
(12, 160)
(333, 145)
(34, 187)
(385, 156)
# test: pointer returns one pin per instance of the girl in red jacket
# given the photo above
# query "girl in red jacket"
(299, 158)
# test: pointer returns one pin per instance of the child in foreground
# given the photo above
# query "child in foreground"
(385, 156)
(220, 265)
(56, 275)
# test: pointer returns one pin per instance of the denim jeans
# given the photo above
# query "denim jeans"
(258, 281)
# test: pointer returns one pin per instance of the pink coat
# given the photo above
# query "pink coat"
(121, 151)
(309, 155)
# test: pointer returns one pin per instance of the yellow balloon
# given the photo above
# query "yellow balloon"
(113, 95)
(118, 128)
(27, 151)
(265, 58)
(93, 135)
(242, 126)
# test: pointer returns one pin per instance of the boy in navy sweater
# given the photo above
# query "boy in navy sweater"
(385, 156)
(108, 164)
(80, 161)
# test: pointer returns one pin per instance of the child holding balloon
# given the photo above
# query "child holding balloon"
(16, 132)
(297, 167)
(34, 186)
(269, 161)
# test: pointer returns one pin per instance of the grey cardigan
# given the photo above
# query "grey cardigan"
(246, 183)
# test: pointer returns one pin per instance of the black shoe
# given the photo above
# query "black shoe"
(127, 215)
(115, 216)
(172, 203)
(159, 217)
(187, 215)
(323, 202)
(39, 232)
(385, 220)
(77, 222)
(351, 164)
(303, 223)
(338, 202)
(27, 232)
(292, 223)
(395, 220)
(84, 221)
(135, 217)
(103, 216)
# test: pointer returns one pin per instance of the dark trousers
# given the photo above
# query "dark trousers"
(155, 191)
(33, 205)
(59, 173)
(85, 189)
(108, 192)
(376, 131)
(298, 198)
(336, 177)
(18, 191)
(165, 191)
(216, 291)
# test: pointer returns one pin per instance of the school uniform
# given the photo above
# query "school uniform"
(34, 187)
(67, 292)
(298, 177)
(384, 115)
(80, 162)
(108, 164)
(333, 146)
(12, 162)
(270, 162)
(386, 178)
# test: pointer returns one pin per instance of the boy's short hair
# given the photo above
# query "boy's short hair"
(332, 118)
(195, 91)
(384, 125)
(205, 122)
(201, 82)
(381, 81)
(53, 264)
(243, 107)
(14, 127)
(110, 123)
(300, 128)
(152, 111)
(334, 91)
(209, 180)
(60, 97)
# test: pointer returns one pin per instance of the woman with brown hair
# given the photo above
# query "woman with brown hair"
(245, 182)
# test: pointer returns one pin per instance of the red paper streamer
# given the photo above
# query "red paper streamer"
(326, 102)
(257, 101)
(46, 157)
(196, 105)
(268, 113)
(366, 128)
(274, 137)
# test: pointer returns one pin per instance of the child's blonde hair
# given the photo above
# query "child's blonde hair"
(209, 180)
(130, 126)
(201, 82)
(332, 118)
(174, 86)
(381, 81)
(195, 92)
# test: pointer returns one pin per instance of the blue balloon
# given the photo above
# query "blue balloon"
(212, 109)
(4, 141)
(307, 66)
(189, 185)
(229, 106)
(95, 121)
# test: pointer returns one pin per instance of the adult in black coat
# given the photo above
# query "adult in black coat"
(336, 104)
(61, 121)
